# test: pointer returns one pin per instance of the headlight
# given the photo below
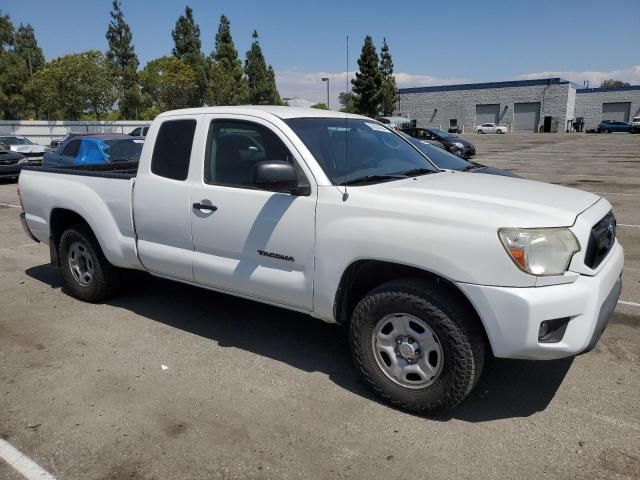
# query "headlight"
(22, 161)
(540, 251)
(458, 144)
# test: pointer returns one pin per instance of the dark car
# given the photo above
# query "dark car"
(10, 162)
(452, 142)
(608, 126)
(447, 161)
(95, 149)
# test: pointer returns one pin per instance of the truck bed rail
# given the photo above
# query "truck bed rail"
(121, 170)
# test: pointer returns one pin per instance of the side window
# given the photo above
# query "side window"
(233, 149)
(71, 150)
(135, 132)
(172, 149)
(144, 131)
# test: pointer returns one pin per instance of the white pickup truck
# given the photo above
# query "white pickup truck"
(341, 218)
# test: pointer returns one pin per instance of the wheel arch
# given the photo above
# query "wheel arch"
(362, 276)
(59, 221)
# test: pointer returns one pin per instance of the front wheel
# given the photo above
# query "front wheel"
(416, 347)
(88, 274)
(500, 132)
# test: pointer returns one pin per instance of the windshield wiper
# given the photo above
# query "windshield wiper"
(473, 166)
(416, 171)
(371, 178)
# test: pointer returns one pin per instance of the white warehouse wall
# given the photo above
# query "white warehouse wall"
(589, 102)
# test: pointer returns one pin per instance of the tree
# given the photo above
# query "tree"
(368, 81)
(346, 100)
(14, 74)
(123, 58)
(187, 48)
(26, 46)
(260, 79)
(320, 106)
(611, 83)
(229, 85)
(388, 90)
(6, 33)
(167, 84)
(75, 84)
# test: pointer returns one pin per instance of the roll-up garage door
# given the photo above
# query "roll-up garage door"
(487, 113)
(526, 116)
(618, 111)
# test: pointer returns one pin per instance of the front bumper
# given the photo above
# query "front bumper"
(512, 316)
(465, 152)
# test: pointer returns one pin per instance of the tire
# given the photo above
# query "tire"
(480, 132)
(98, 279)
(453, 327)
(606, 130)
(500, 132)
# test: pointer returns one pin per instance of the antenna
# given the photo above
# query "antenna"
(345, 195)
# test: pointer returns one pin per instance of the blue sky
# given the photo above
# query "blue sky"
(431, 42)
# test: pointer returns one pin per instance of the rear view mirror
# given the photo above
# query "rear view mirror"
(278, 176)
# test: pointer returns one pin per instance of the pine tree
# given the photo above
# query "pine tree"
(260, 79)
(27, 47)
(6, 33)
(229, 84)
(368, 81)
(388, 91)
(122, 56)
(187, 48)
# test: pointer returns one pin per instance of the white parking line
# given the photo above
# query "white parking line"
(633, 304)
(20, 246)
(627, 225)
(23, 464)
(10, 205)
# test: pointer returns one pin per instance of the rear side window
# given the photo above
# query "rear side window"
(172, 149)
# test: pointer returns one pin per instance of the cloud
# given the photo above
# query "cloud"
(630, 75)
(309, 85)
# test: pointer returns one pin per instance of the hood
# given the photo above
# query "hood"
(28, 148)
(461, 140)
(496, 171)
(470, 198)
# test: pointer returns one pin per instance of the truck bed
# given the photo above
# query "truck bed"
(120, 170)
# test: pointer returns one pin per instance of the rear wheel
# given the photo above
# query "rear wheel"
(87, 272)
(416, 347)
(606, 130)
(480, 132)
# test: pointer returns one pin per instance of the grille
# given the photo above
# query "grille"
(32, 154)
(601, 240)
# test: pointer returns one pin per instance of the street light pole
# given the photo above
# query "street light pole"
(326, 79)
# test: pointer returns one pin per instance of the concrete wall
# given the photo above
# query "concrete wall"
(589, 102)
(42, 132)
(434, 106)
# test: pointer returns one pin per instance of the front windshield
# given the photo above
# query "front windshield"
(439, 156)
(371, 149)
(15, 141)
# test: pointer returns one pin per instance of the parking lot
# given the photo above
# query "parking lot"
(171, 381)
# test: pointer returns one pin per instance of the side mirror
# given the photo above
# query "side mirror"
(278, 176)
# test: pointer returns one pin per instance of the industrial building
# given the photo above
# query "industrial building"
(537, 105)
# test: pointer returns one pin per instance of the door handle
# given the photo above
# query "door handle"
(204, 206)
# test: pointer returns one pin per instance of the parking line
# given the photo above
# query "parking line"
(10, 205)
(20, 246)
(633, 304)
(627, 225)
(23, 464)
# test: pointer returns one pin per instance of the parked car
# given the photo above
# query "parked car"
(24, 146)
(56, 142)
(609, 126)
(490, 128)
(448, 161)
(452, 142)
(94, 149)
(338, 217)
(397, 123)
(139, 132)
(10, 162)
(635, 125)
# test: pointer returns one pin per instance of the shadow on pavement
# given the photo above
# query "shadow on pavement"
(508, 388)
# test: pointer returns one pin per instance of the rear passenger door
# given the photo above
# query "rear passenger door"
(161, 201)
(252, 242)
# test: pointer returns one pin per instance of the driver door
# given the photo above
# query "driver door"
(249, 241)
